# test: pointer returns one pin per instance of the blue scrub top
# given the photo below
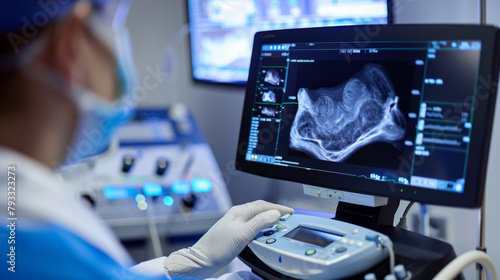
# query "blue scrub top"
(50, 252)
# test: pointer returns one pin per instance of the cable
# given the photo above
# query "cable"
(482, 12)
(391, 254)
(481, 237)
(456, 266)
(402, 222)
(153, 233)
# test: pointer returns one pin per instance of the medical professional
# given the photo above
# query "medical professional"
(66, 82)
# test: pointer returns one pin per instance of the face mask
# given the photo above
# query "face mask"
(98, 118)
(97, 121)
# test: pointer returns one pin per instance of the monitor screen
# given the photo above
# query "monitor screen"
(396, 111)
(222, 30)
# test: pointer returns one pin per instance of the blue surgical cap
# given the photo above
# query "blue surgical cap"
(28, 16)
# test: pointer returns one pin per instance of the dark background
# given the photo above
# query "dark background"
(334, 73)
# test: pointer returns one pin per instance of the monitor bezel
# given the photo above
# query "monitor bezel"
(482, 123)
(390, 20)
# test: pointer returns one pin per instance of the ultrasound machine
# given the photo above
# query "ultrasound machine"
(367, 115)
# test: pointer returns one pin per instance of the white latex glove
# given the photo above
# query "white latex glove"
(224, 240)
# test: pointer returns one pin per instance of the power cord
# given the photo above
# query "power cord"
(398, 272)
(403, 221)
(456, 266)
(391, 254)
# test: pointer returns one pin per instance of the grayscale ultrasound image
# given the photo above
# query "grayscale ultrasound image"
(268, 111)
(332, 123)
(269, 96)
(272, 77)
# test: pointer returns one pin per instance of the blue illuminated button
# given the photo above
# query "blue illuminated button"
(152, 189)
(310, 252)
(181, 187)
(113, 192)
(168, 200)
(201, 185)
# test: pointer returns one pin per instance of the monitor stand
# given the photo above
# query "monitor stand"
(373, 212)
(423, 256)
(376, 218)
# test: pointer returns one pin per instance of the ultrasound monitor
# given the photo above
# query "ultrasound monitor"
(399, 111)
(221, 31)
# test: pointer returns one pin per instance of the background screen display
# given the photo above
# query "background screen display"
(222, 30)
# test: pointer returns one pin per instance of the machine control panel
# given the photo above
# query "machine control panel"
(160, 171)
(309, 247)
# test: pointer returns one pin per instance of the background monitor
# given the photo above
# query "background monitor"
(402, 111)
(221, 31)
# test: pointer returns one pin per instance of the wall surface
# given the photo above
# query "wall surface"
(159, 34)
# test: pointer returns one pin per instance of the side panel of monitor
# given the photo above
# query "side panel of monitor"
(221, 31)
(397, 111)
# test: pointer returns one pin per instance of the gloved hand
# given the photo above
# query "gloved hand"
(224, 240)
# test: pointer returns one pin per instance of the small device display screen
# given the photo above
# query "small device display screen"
(312, 236)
